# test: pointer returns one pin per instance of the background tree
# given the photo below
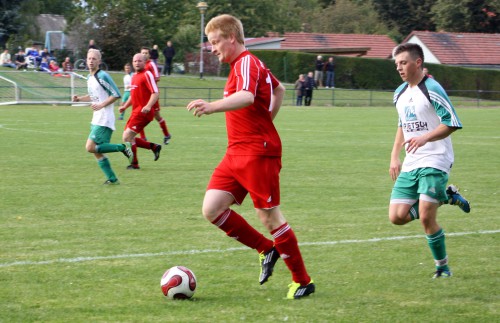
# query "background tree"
(344, 17)
(467, 16)
(9, 20)
(406, 15)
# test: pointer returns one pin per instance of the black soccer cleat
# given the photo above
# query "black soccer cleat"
(267, 261)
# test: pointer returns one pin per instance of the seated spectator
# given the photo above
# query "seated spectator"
(44, 65)
(53, 67)
(21, 60)
(67, 66)
(5, 59)
(33, 55)
(45, 53)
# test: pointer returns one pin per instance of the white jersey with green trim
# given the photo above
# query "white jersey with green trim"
(101, 86)
(422, 109)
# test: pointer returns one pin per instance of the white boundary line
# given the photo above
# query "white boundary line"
(192, 252)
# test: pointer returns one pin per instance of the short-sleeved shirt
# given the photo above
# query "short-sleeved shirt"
(101, 86)
(422, 109)
(150, 66)
(142, 86)
(250, 130)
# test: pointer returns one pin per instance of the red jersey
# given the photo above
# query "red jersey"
(150, 66)
(142, 86)
(251, 130)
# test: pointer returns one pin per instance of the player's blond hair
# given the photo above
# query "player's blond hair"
(96, 52)
(228, 25)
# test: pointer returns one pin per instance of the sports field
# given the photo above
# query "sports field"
(74, 250)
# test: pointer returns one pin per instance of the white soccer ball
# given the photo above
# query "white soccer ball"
(178, 282)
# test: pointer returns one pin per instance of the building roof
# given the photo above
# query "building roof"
(372, 46)
(458, 48)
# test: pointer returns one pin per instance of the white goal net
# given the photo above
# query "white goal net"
(29, 87)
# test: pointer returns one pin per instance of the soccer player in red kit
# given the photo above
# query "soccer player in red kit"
(143, 96)
(151, 66)
(252, 163)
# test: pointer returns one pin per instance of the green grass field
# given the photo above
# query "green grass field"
(74, 250)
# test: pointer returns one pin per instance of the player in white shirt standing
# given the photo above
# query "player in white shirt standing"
(426, 121)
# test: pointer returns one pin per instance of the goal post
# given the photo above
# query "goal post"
(40, 87)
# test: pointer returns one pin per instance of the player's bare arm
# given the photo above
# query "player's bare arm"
(83, 98)
(152, 100)
(277, 100)
(125, 105)
(441, 132)
(236, 101)
(395, 165)
(100, 105)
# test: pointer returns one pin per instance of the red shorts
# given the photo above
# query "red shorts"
(257, 175)
(138, 121)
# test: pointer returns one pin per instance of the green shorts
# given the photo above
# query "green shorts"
(100, 134)
(428, 181)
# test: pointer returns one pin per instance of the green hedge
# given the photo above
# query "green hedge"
(381, 74)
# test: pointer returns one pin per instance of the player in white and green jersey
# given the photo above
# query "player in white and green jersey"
(426, 121)
(102, 93)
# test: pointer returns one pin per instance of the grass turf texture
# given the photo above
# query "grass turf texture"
(74, 250)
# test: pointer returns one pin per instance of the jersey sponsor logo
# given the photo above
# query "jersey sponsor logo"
(415, 126)
(410, 114)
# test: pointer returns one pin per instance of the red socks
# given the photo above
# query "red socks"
(286, 243)
(236, 227)
(163, 126)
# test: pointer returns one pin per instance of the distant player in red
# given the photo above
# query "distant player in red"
(143, 96)
(151, 66)
(252, 98)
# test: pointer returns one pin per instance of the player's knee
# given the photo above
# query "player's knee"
(210, 213)
(397, 219)
(90, 148)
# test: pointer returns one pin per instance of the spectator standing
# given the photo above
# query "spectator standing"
(169, 53)
(426, 73)
(5, 59)
(92, 44)
(309, 86)
(155, 55)
(330, 73)
(299, 89)
(318, 72)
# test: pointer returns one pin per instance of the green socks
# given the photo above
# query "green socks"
(106, 168)
(109, 148)
(438, 249)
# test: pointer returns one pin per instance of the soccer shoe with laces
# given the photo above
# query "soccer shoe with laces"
(133, 166)
(267, 261)
(110, 182)
(442, 274)
(156, 151)
(128, 152)
(297, 291)
(166, 139)
(456, 199)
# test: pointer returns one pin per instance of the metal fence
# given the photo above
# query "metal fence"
(176, 96)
